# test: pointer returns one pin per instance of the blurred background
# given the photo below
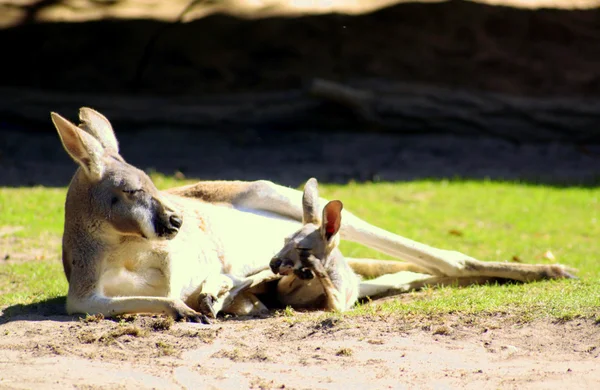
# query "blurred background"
(362, 90)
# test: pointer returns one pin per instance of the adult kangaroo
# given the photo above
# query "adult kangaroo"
(130, 248)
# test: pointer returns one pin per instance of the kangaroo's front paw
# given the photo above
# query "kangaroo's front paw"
(206, 304)
(182, 312)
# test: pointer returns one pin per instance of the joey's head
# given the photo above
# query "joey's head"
(318, 235)
(108, 191)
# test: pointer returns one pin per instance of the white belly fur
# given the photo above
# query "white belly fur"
(242, 241)
(251, 238)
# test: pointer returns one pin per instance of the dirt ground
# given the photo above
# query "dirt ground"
(313, 353)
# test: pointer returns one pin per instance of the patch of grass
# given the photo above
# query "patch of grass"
(260, 356)
(442, 330)
(234, 355)
(497, 221)
(345, 352)
(484, 219)
(161, 323)
(553, 299)
(123, 330)
(237, 355)
(34, 211)
(87, 337)
(30, 282)
(162, 181)
(165, 349)
(287, 312)
(95, 318)
(207, 336)
(263, 384)
(125, 318)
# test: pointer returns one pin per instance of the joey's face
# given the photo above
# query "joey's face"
(305, 242)
(317, 237)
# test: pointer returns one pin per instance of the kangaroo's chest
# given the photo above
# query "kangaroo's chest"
(133, 268)
(176, 268)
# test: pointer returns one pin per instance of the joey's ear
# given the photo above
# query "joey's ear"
(332, 219)
(98, 126)
(81, 146)
(310, 202)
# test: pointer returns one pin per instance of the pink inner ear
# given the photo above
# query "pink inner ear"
(331, 225)
(330, 229)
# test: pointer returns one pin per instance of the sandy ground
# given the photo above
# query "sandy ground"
(313, 353)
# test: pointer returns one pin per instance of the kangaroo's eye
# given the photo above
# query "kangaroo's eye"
(131, 192)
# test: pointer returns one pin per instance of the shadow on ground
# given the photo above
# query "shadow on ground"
(54, 307)
(290, 158)
(462, 44)
(455, 44)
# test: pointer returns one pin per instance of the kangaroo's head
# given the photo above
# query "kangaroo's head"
(107, 195)
(318, 235)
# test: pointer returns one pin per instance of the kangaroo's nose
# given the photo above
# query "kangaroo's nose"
(175, 221)
(275, 264)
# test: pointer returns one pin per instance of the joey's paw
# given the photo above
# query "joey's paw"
(304, 273)
(206, 303)
(313, 265)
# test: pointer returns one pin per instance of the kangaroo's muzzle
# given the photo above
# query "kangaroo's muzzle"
(168, 227)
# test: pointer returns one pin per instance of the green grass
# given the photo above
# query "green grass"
(30, 282)
(35, 211)
(486, 220)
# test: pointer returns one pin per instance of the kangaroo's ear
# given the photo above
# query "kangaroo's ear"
(332, 219)
(81, 146)
(310, 202)
(98, 126)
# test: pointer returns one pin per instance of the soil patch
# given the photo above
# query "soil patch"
(284, 352)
